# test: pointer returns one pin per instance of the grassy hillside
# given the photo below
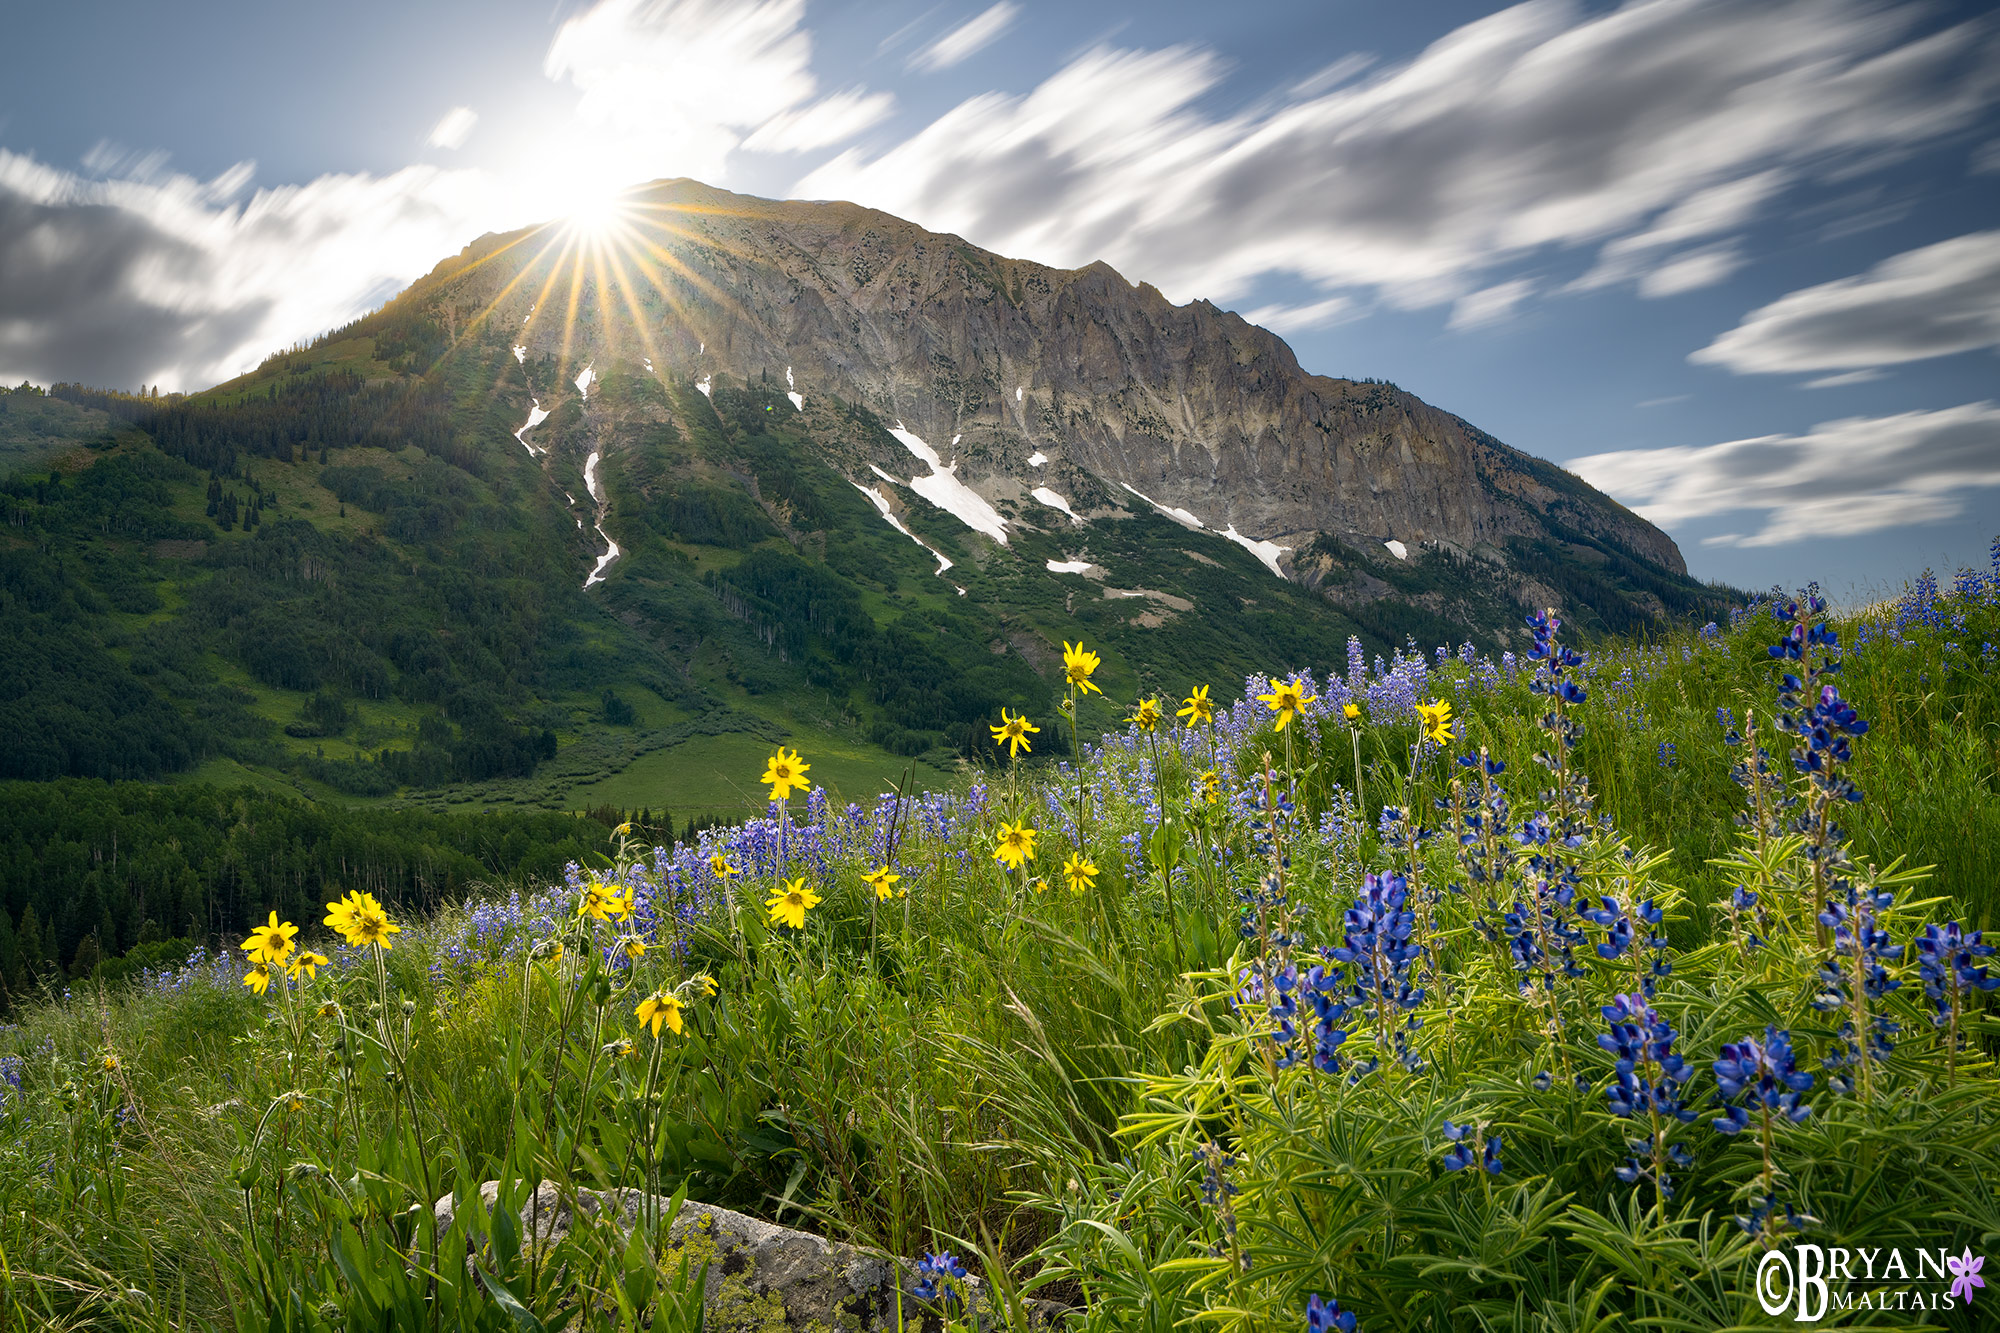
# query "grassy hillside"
(1443, 1020)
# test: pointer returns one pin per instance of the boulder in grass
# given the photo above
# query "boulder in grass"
(760, 1276)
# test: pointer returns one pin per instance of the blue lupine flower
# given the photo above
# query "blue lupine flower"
(938, 1275)
(1650, 1081)
(1619, 925)
(1324, 1316)
(1857, 941)
(1217, 1189)
(1460, 1154)
(1383, 961)
(1467, 1147)
(1325, 989)
(1764, 1076)
(1945, 957)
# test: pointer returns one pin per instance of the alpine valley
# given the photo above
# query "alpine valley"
(587, 519)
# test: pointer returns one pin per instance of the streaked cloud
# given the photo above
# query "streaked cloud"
(1933, 301)
(1841, 479)
(1544, 127)
(169, 280)
(454, 129)
(1489, 305)
(962, 42)
(1842, 380)
(671, 87)
(831, 120)
(1280, 318)
(1692, 271)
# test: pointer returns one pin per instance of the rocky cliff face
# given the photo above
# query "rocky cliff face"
(1029, 381)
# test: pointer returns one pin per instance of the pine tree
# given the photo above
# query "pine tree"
(10, 952)
(28, 943)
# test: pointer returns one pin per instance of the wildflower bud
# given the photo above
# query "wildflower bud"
(305, 1171)
(409, 1007)
(330, 1312)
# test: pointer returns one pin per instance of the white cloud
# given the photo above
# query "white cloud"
(453, 130)
(676, 87)
(1855, 475)
(969, 37)
(1691, 271)
(831, 120)
(166, 280)
(1933, 301)
(1282, 318)
(1542, 126)
(671, 86)
(1843, 379)
(1489, 305)
(1719, 208)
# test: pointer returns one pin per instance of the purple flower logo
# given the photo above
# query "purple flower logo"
(1965, 1274)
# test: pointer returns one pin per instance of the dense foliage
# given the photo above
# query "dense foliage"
(1444, 992)
(89, 870)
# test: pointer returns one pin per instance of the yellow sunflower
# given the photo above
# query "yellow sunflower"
(881, 881)
(1078, 663)
(784, 772)
(361, 920)
(790, 905)
(269, 943)
(1197, 708)
(1436, 719)
(1287, 700)
(1147, 714)
(1014, 733)
(1080, 873)
(305, 965)
(660, 1008)
(1017, 845)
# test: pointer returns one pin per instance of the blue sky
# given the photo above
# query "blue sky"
(1737, 263)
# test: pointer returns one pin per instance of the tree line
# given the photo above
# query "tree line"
(91, 870)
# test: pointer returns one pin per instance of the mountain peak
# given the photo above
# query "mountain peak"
(1074, 395)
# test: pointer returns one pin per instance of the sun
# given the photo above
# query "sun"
(596, 210)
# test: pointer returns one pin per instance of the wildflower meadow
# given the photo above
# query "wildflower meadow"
(1584, 987)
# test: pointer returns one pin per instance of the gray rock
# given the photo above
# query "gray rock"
(761, 1277)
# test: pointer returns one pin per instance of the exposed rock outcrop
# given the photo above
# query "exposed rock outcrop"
(1192, 405)
(1016, 396)
(759, 1276)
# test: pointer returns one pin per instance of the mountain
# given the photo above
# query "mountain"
(589, 517)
